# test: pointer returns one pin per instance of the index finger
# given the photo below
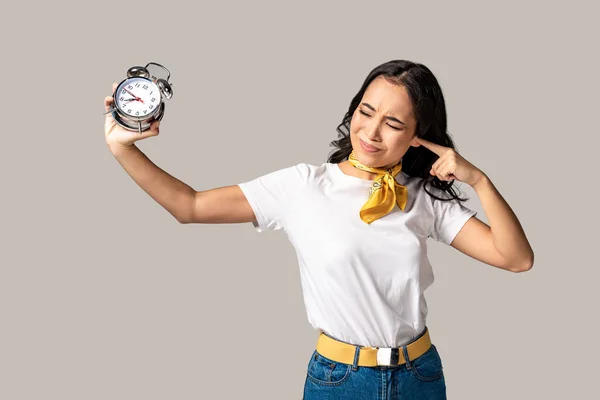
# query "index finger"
(436, 148)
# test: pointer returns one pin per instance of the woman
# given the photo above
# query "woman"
(363, 261)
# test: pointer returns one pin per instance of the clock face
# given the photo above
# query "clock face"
(137, 97)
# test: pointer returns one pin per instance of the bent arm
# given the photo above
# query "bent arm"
(506, 232)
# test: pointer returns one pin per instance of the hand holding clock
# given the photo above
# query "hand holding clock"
(117, 137)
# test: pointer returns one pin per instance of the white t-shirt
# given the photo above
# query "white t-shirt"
(361, 283)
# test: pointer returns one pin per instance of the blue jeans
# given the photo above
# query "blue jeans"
(421, 378)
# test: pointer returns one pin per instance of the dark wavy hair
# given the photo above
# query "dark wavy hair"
(429, 110)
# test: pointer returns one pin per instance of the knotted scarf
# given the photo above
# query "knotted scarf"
(385, 191)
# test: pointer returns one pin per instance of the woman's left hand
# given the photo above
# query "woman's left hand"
(450, 165)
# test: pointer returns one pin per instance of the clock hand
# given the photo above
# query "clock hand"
(137, 98)
(130, 92)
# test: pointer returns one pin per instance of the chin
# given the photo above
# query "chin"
(369, 159)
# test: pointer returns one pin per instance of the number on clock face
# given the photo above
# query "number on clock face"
(137, 96)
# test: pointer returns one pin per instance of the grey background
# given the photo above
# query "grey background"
(103, 295)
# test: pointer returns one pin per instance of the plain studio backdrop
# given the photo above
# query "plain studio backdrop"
(104, 295)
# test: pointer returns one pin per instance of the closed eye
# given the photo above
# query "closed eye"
(393, 127)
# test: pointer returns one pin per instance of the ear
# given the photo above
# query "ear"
(414, 142)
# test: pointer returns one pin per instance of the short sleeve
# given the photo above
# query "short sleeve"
(449, 218)
(271, 195)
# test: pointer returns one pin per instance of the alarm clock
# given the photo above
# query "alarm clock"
(139, 98)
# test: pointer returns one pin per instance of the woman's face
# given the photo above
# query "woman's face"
(383, 120)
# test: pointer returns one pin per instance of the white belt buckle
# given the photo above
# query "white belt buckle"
(387, 356)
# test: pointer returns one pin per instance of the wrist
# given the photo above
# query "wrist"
(118, 148)
(481, 181)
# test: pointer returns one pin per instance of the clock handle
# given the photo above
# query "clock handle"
(168, 73)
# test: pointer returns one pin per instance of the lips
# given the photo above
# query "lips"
(368, 147)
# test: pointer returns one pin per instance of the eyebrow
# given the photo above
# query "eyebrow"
(387, 116)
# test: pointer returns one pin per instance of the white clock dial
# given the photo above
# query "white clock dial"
(138, 97)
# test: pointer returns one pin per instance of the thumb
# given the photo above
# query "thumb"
(154, 128)
(151, 131)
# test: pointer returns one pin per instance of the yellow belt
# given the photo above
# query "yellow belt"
(371, 356)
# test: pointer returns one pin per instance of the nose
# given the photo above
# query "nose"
(372, 132)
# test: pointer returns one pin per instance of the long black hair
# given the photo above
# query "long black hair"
(429, 110)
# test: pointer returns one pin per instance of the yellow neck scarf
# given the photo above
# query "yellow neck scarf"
(385, 191)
